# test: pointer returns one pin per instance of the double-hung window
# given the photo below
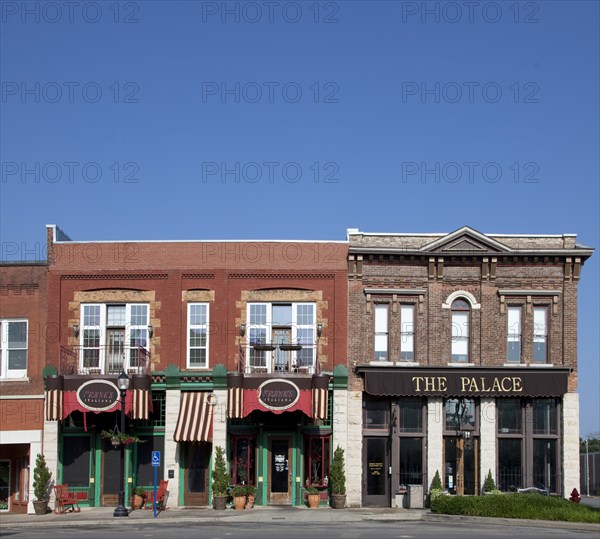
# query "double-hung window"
(407, 333)
(13, 348)
(381, 332)
(197, 335)
(513, 345)
(461, 314)
(540, 335)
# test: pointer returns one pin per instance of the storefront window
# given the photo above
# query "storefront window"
(4, 484)
(544, 416)
(145, 470)
(544, 464)
(243, 463)
(316, 461)
(76, 461)
(459, 413)
(411, 415)
(509, 464)
(509, 416)
(375, 414)
(411, 461)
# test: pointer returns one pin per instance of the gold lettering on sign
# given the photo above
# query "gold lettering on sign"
(517, 387)
(431, 383)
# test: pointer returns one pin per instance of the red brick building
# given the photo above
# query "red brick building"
(23, 336)
(234, 344)
(463, 351)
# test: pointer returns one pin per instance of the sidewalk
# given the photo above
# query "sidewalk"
(103, 516)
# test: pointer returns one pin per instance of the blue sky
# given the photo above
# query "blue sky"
(293, 120)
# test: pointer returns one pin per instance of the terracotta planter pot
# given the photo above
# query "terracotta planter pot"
(313, 501)
(137, 502)
(239, 502)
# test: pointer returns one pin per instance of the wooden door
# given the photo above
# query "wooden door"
(197, 457)
(280, 470)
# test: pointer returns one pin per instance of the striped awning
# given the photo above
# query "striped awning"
(195, 420)
(53, 405)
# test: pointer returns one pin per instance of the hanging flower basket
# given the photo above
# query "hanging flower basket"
(117, 438)
(264, 347)
(290, 347)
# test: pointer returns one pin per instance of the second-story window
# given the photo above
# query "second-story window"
(407, 333)
(113, 337)
(513, 345)
(13, 348)
(381, 332)
(461, 315)
(281, 337)
(197, 336)
(540, 335)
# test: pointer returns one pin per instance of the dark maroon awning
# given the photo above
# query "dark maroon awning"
(457, 382)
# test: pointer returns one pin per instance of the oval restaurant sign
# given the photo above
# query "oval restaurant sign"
(278, 394)
(98, 395)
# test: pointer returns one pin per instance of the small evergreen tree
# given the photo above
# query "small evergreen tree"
(436, 483)
(41, 478)
(337, 475)
(488, 484)
(219, 474)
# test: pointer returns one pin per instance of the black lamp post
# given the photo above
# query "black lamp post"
(123, 384)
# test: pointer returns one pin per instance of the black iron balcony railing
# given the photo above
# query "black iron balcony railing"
(280, 358)
(104, 360)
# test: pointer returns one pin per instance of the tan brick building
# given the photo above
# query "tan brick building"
(463, 359)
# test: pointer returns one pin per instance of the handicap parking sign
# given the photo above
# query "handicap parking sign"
(155, 458)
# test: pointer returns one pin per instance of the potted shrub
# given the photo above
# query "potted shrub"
(220, 480)
(137, 498)
(239, 497)
(435, 488)
(250, 494)
(313, 497)
(337, 479)
(41, 485)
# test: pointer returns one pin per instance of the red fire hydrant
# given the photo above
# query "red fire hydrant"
(575, 497)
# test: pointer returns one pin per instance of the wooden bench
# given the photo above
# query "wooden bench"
(65, 501)
(161, 496)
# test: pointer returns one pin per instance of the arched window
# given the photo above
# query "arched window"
(461, 321)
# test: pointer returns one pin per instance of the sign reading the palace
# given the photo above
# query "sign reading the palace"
(466, 382)
(278, 394)
(98, 395)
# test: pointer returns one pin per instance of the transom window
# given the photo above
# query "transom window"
(13, 348)
(281, 337)
(461, 320)
(113, 337)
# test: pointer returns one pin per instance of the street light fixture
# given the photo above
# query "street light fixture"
(123, 385)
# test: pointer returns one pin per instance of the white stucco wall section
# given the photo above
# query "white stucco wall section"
(354, 469)
(570, 456)
(171, 453)
(487, 439)
(435, 422)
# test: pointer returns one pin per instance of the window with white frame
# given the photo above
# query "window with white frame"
(513, 345)
(407, 333)
(461, 314)
(197, 335)
(540, 334)
(113, 337)
(381, 332)
(281, 337)
(13, 348)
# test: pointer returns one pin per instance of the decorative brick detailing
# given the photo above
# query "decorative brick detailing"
(115, 276)
(197, 275)
(286, 276)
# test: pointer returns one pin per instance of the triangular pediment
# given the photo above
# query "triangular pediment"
(466, 239)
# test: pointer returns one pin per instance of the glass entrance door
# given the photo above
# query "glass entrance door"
(376, 483)
(461, 465)
(197, 456)
(280, 464)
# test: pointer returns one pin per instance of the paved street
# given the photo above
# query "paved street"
(279, 529)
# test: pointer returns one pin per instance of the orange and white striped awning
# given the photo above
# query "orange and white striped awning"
(195, 420)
